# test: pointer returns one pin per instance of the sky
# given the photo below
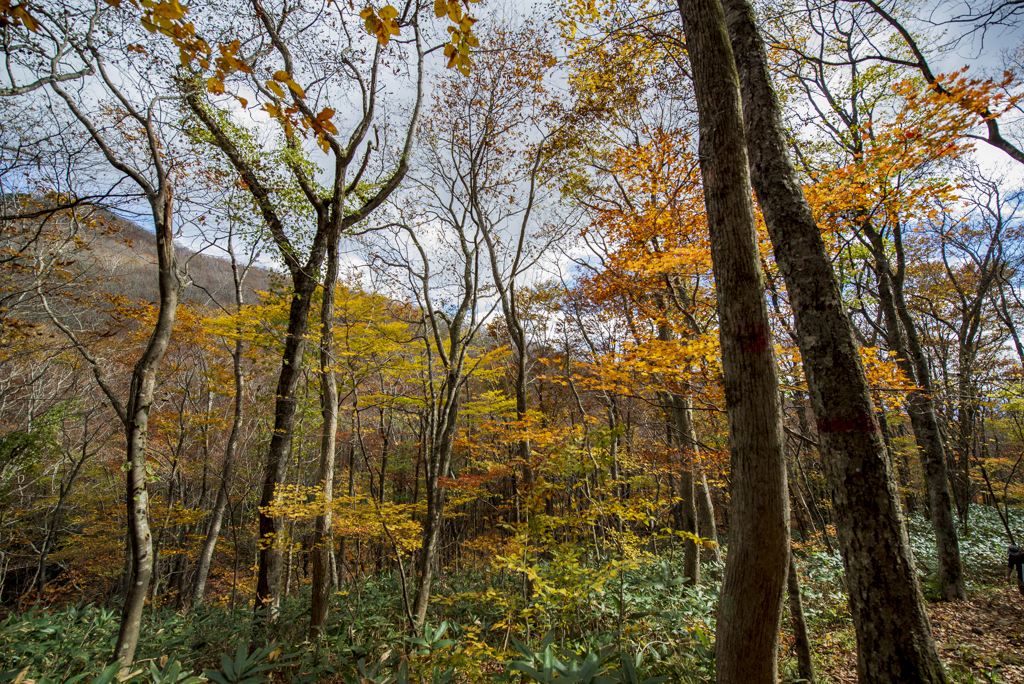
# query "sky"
(980, 50)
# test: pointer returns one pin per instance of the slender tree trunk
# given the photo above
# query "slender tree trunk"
(223, 491)
(685, 441)
(894, 640)
(899, 464)
(750, 608)
(140, 399)
(683, 438)
(270, 559)
(966, 420)
(58, 513)
(802, 642)
(706, 527)
(227, 470)
(923, 418)
(816, 513)
(322, 540)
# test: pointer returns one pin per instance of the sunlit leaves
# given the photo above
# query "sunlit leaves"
(353, 516)
(382, 24)
(574, 13)
(984, 97)
(462, 37)
(17, 14)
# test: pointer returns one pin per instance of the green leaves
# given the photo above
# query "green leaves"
(246, 668)
(108, 675)
(171, 673)
(572, 668)
(431, 640)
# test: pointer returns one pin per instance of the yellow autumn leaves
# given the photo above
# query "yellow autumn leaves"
(462, 36)
(382, 24)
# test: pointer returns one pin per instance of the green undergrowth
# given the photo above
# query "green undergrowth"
(983, 544)
(645, 626)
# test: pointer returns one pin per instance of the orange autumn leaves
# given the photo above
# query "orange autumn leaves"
(649, 213)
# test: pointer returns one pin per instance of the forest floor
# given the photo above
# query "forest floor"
(980, 640)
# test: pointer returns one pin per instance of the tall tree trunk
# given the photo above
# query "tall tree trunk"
(894, 640)
(802, 642)
(750, 608)
(428, 554)
(140, 399)
(921, 408)
(270, 560)
(227, 469)
(322, 540)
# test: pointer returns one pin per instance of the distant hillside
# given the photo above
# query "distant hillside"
(125, 253)
(108, 255)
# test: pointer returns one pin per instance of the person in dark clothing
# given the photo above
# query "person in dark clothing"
(1016, 559)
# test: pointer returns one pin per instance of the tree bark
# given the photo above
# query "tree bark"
(801, 639)
(750, 608)
(894, 640)
(322, 540)
(140, 399)
(270, 559)
(921, 409)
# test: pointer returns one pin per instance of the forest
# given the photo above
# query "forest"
(466, 341)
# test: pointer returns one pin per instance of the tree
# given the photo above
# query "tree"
(874, 195)
(750, 607)
(894, 641)
(238, 274)
(963, 252)
(136, 111)
(485, 144)
(335, 207)
(655, 268)
(973, 100)
(448, 322)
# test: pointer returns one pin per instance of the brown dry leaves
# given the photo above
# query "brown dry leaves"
(983, 637)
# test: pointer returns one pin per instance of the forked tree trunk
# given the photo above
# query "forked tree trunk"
(443, 434)
(923, 419)
(894, 640)
(750, 608)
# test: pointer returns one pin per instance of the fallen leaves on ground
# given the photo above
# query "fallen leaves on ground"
(981, 637)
